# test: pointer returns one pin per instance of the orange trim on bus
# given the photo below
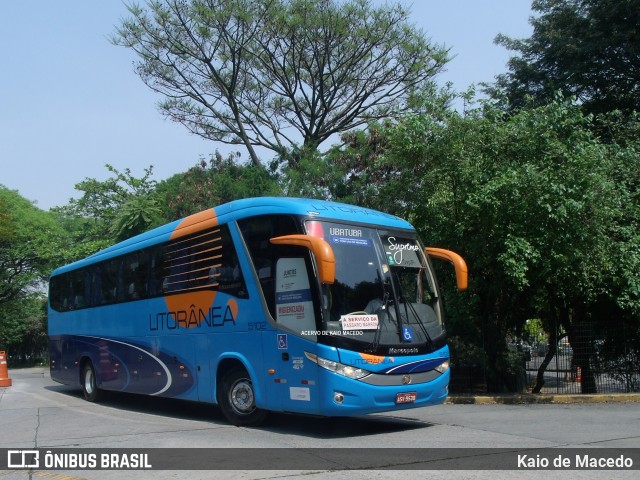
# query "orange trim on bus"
(460, 266)
(196, 222)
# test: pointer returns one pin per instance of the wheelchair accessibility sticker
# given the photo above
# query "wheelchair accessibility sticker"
(407, 334)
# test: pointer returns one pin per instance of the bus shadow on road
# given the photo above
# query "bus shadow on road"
(282, 423)
(168, 407)
(340, 427)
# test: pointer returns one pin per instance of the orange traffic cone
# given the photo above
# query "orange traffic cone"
(5, 381)
(579, 375)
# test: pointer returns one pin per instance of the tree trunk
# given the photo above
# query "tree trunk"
(581, 340)
(553, 348)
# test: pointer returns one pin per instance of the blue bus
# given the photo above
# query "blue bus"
(258, 305)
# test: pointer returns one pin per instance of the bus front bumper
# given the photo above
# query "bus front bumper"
(347, 397)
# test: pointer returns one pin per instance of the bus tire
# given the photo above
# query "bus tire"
(89, 383)
(237, 400)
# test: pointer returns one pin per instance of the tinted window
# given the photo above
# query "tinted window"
(206, 260)
(257, 232)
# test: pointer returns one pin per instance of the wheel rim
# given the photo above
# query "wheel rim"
(88, 381)
(241, 396)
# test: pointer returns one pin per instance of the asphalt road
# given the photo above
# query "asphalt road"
(38, 413)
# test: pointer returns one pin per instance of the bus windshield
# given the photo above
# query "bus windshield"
(384, 299)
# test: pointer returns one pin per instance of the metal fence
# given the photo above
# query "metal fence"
(611, 374)
(605, 364)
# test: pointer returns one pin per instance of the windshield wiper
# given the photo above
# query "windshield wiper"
(419, 320)
(409, 306)
(385, 307)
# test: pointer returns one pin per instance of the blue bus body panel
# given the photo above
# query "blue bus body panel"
(152, 352)
(133, 366)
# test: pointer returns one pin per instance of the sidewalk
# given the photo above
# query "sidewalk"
(534, 398)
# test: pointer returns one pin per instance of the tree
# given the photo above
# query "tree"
(220, 180)
(30, 246)
(137, 215)
(277, 73)
(542, 211)
(23, 329)
(111, 210)
(589, 49)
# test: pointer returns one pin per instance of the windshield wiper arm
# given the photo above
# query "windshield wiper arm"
(419, 320)
(407, 306)
(385, 307)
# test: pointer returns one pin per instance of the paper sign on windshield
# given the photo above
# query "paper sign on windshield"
(359, 322)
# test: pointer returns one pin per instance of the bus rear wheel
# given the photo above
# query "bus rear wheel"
(237, 399)
(90, 388)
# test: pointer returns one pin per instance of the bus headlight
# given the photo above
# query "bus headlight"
(337, 367)
(443, 367)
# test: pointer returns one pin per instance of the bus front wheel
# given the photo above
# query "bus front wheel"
(237, 399)
(90, 388)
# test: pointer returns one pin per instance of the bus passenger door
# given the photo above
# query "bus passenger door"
(295, 380)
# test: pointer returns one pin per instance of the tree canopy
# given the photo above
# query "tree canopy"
(214, 182)
(278, 74)
(113, 209)
(30, 241)
(541, 209)
(589, 49)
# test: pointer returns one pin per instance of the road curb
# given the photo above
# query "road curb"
(531, 398)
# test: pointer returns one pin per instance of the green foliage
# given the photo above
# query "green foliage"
(6, 223)
(622, 366)
(30, 246)
(585, 48)
(533, 331)
(110, 210)
(32, 243)
(468, 365)
(307, 173)
(213, 183)
(23, 329)
(137, 215)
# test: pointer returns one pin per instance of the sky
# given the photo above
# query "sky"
(70, 102)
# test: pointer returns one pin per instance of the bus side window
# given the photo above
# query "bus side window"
(109, 284)
(95, 274)
(229, 275)
(78, 284)
(155, 272)
(59, 293)
(256, 232)
(204, 260)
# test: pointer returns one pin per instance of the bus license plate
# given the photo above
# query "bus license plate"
(408, 397)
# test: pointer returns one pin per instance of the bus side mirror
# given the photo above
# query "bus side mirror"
(458, 264)
(323, 252)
